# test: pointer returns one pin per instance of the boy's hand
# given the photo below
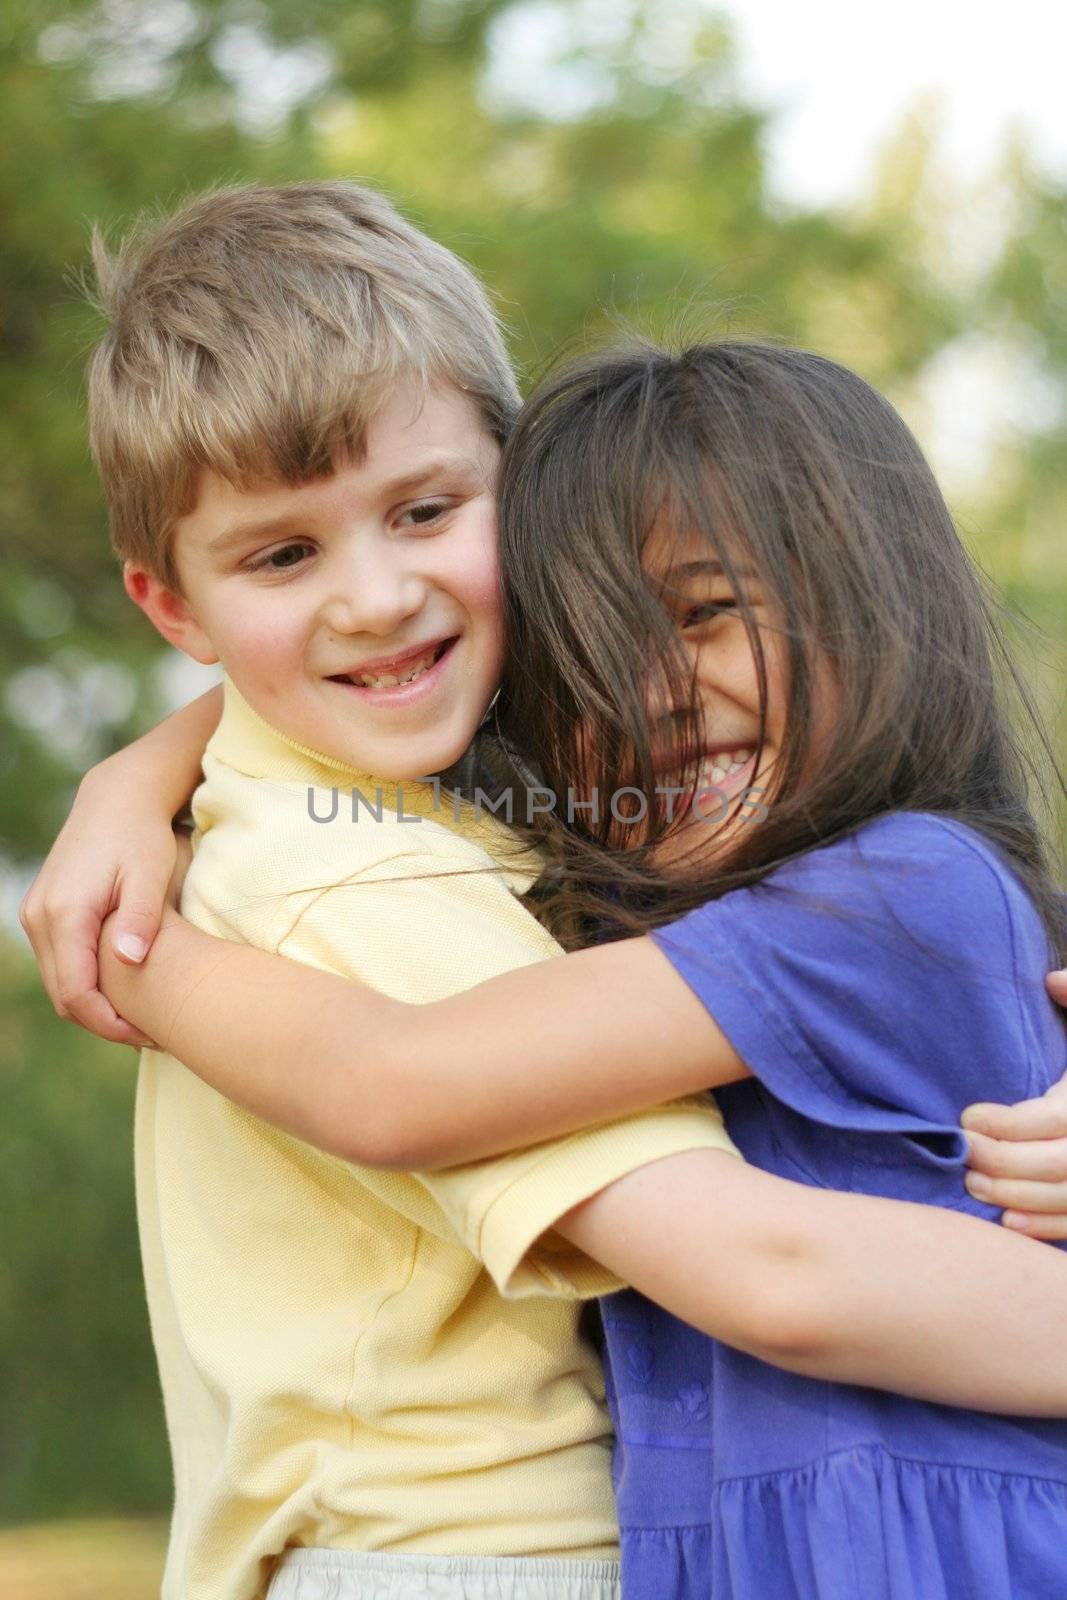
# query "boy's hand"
(111, 855)
(1018, 1154)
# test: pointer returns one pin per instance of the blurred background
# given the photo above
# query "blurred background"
(889, 187)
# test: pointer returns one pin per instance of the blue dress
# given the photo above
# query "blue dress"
(875, 987)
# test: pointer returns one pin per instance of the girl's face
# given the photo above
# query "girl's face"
(736, 771)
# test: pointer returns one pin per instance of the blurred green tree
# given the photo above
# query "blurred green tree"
(1027, 298)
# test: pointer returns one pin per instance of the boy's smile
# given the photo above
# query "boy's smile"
(360, 614)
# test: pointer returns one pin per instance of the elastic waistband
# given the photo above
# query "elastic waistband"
(361, 1575)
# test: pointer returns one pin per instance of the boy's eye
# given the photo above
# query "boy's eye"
(425, 513)
(695, 616)
(280, 560)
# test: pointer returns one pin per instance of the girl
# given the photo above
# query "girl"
(742, 624)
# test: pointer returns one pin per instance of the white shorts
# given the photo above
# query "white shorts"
(355, 1575)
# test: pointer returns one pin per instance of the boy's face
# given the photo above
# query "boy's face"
(361, 613)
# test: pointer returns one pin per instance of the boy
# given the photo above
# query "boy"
(296, 415)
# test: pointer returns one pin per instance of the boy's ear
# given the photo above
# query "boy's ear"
(168, 613)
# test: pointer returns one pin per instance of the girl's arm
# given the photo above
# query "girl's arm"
(862, 1290)
(534, 1053)
(116, 849)
(912, 1298)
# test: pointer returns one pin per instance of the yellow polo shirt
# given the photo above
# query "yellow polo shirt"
(337, 1364)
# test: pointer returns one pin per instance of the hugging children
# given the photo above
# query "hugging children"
(368, 1215)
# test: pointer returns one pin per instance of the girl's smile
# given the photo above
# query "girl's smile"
(710, 618)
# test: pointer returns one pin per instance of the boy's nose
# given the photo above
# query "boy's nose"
(372, 597)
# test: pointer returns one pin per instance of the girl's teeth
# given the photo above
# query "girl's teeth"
(717, 771)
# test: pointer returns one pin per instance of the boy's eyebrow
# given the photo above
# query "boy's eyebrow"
(238, 532)
(445, 461)
(290, 522)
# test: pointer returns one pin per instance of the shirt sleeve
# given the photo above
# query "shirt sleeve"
(423, 926)
(878, 985)
(504, 1209)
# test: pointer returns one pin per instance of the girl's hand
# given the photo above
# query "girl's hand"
(113, 853)
(1018, 1154)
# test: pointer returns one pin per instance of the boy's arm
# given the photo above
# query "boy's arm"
(115, 853)
(916, 1299)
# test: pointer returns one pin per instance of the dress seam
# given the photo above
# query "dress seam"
(907, 1461)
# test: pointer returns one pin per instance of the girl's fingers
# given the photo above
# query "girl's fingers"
(1030, 1119)
(1044, 1160)
(1015, 1194)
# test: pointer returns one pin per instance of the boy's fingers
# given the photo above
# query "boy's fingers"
(70, 976)
(1056, 984)
(66, 955)
(96, 1013)
(1047, 1199)
(1044, 1160)
(1049, 1228)
(74, 993)
(1030, 1119)
(135, 922)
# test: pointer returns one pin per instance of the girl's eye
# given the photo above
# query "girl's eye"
(280, 560)
(425, 513)
(695, 616)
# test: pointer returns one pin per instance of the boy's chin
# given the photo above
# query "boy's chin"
(419, 760)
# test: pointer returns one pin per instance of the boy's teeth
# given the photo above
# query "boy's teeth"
(392, 680)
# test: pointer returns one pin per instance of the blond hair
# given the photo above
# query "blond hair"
(255, 333)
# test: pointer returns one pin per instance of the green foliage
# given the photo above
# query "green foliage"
(80, 1417)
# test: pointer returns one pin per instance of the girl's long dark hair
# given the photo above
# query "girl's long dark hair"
(795, 469)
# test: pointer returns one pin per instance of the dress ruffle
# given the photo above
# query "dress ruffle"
(862, 1524)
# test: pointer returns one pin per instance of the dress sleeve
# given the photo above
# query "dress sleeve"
(878, 985)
